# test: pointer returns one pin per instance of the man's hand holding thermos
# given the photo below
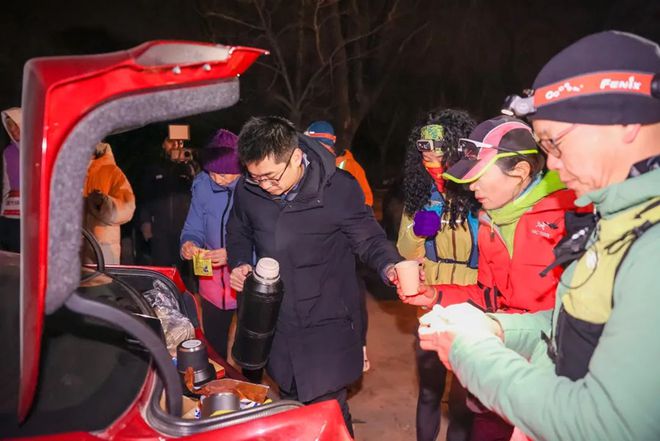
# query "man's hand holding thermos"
(238, 276)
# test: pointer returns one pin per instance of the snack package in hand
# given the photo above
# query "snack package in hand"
(202, 266)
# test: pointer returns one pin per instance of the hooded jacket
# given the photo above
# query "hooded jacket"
(514, 251)
(205, 226)
(11, 182)
(116, 208)
(315, 238)
(617, 398)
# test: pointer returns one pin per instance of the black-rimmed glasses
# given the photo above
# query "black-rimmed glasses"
(266, 180)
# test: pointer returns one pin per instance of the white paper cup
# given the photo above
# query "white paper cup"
(407, 272)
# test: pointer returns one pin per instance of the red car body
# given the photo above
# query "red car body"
(61, 99)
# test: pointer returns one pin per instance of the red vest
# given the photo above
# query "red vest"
(513, 284)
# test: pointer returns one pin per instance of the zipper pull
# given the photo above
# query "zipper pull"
(552, 351)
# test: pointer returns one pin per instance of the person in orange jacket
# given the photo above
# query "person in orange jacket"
(344, 159)
(109, 202)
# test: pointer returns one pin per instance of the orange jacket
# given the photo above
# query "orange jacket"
(347, 162)
(104, 217)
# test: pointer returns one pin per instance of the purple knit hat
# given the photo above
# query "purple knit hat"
(220, 154)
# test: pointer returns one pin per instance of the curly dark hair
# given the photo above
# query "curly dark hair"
(417, 183)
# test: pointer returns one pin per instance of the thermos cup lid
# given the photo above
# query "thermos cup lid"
(192, 353)
(219, 403)
(267, 270)
(192, 345)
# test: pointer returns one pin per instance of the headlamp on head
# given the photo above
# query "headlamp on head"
(431, 137)
(589, 84)
(519, 106)
(429, 145)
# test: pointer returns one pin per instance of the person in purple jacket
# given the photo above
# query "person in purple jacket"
(10, 211)
(204, 233)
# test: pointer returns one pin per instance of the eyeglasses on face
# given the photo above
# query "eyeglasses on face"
(551, 145)
(268, 180)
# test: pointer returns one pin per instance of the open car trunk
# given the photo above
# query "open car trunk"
(69, 105)
(88, 357)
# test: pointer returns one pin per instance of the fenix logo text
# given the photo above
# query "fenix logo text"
(629, 84)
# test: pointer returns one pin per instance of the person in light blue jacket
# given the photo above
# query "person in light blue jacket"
(204, 233)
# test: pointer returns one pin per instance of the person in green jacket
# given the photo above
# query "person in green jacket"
(587, 370)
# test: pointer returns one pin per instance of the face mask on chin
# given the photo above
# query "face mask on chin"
(435, 169)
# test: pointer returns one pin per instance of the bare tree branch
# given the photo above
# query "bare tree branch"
(206, 26)
(317, 30)
(288, 28)
(342, 46)
(282, 99)
(275, 48)
(233, 20)
(345, 38)
(384, 145)
(270, 67)
(300, 50)
(410, 36)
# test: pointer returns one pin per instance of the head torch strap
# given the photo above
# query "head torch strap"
(595, 83)
(637, 83)
(432, 131)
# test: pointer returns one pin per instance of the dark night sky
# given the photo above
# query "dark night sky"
(481, 50)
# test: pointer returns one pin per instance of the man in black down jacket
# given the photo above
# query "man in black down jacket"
(295, 206)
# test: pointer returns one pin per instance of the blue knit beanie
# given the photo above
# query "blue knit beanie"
(323, 132)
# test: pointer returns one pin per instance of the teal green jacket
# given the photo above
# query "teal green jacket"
(619, 398)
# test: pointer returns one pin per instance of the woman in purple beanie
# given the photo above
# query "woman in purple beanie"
(204, 234)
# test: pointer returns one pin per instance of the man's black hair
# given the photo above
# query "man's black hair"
(263, 136)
